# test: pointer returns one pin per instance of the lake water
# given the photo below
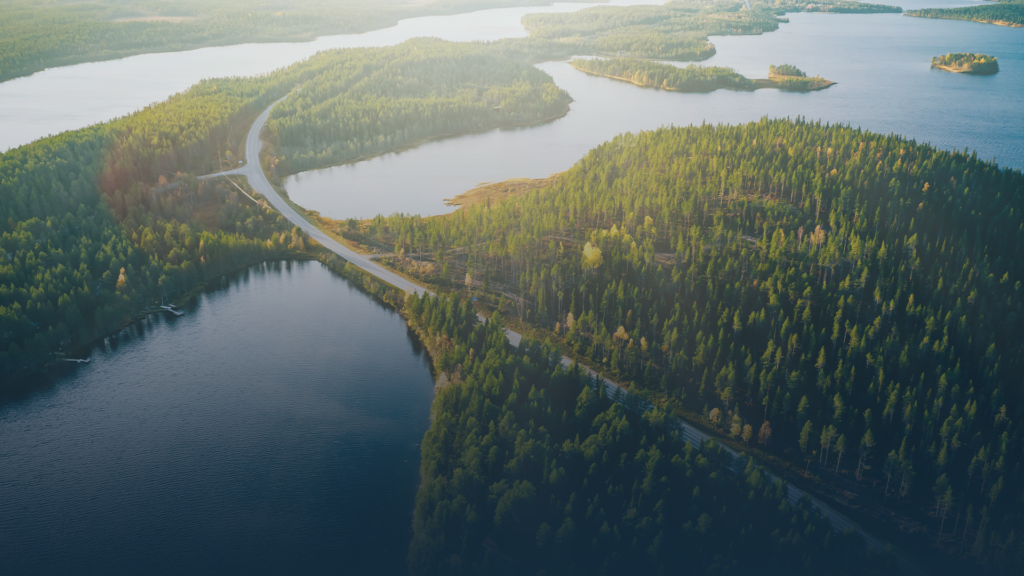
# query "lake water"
(72, 97)
(272, 429)
(885, 84)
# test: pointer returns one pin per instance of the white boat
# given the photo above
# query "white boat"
(173, 309)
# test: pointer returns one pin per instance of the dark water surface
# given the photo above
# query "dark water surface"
(274, 428)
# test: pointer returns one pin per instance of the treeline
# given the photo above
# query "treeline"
(833, 7)
(788, 77)
(648, 74)
(528, 468)
(40, 34)
(693, 78)
(786, 70)
(1004, 14)
(860, 293)
(374, 100)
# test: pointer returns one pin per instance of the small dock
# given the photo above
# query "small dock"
(173, 310)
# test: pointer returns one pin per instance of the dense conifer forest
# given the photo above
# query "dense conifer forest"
(80, 253)
(528, 468)
(1006, 14)
(694, 78)
(369, 101)
(648, 74)
(858, 295)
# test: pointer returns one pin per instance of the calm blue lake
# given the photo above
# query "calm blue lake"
(274, 428)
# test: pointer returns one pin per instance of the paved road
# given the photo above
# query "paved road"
(259, 182)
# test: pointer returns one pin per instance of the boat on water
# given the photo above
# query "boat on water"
(173, 309)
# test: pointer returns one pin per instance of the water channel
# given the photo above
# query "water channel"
(885, 84)
(72, 97)
(276, 425)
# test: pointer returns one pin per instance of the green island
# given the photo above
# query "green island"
(1004, 14)
(979, 64)
(694, 78)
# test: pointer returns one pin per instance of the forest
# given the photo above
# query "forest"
(648, 74)
(858, 294)
(1005, 14)
(374, 100)
(840, 7)
(967, 63)
(678, 30)
(786, 70)
(77, 259)
(40, 34)
(528, 468)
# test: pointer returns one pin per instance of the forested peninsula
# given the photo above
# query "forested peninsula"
(980, 64)
(856, 296)
(529, 468)
(649, 74)
(373, 100)
(693, 78)
(1006, 14)
(98, 224)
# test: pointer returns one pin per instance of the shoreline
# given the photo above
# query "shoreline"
(416, 144)
(961, 71)
(1004, 23)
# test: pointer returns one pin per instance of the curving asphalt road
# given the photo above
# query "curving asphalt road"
(258, 181)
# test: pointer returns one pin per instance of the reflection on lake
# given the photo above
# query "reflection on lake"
(274, 428)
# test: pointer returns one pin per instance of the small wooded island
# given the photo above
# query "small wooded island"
(696, 78)
(963, 63)
(787, 77)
